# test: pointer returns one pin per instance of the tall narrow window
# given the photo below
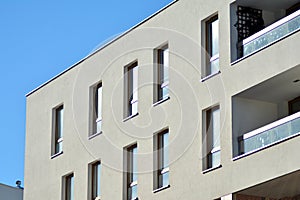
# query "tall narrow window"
(131, 90)
(161, 74)
(58, 114)
(161, 146)
(95, 180)
(212, 45)
(68, 187)
(131, 173)
(211, 138)
(96, 110)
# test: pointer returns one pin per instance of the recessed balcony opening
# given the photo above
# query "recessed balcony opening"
(256, 24)
(282, 188)
(267, 113)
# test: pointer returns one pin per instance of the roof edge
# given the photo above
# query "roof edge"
(11, 187)
(102, 47)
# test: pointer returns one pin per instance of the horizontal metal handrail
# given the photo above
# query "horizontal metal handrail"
(271, 27)
(270, 126)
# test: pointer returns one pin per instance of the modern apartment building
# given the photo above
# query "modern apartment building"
(199, 101)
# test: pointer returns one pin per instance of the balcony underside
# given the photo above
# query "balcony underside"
(285, 187)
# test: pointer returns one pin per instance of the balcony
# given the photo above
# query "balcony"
(256, 25)
(270, 134)
(272, 33)
(266, 114)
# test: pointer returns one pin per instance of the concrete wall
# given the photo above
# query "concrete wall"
(179, 25)
(250, 114)
(10, 193)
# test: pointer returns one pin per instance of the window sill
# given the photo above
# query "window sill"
(129, 117)
(94, 135)
(161, 188)
(211, 169)
(56, 155)
(210, 76)
(161, 101)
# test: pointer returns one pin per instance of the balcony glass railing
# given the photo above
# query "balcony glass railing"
(270, 134)
(272, 33)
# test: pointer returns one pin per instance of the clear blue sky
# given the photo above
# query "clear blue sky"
(38, 40)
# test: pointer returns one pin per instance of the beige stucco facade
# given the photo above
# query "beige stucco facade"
(178, 25)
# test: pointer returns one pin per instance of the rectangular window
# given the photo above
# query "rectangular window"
(58, 114)
(68, 187)
(161, 145)
(131, 90)
(131, 173)
(211, 138)
(96, 110)
(161, 74)
(212, 45)
(95, 181)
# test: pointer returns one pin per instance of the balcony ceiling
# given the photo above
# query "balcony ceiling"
(268, 4)
(285, 186)
(277, 89)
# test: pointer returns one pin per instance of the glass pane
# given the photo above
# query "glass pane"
(165, 179)
(60, 115)
(214, 66)
(271, 136)
(295, 126)
(99, 102)
(134, 164)
(273, 35)
(59, 147)
(214, 38)
(216, 159)
(135, 83)
(165, 92)
(133, 192)
(134, 108)
(98, 192)
(165, 150)
(130, 84)
(99, 126)
(166, 65)
(69, 188)
(72, 189)
(134, 100)
(59, 129)
(215, 127)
